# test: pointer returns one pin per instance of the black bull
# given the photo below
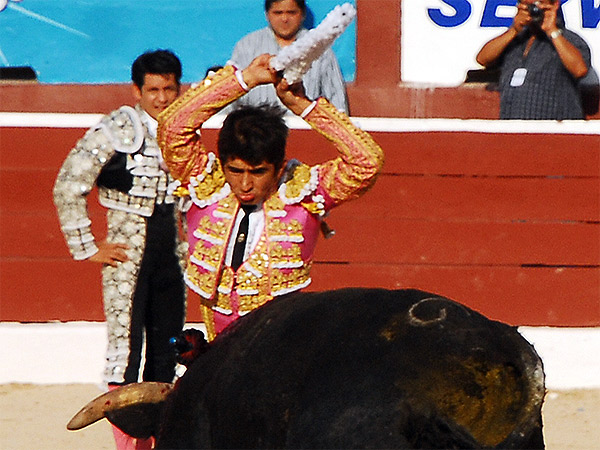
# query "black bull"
(358, 368)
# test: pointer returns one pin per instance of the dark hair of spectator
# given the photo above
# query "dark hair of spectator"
(162, 62)
(254, 134)
(301, 4)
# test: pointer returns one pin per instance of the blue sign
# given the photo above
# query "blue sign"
(95, 41)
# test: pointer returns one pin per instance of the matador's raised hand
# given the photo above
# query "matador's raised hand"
(292, 95)
(259, 71)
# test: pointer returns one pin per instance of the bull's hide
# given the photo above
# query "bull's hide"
(360, 368)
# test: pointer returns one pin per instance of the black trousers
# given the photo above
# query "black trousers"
(158, 310)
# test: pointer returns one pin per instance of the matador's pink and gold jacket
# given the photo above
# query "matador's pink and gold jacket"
(281, 261)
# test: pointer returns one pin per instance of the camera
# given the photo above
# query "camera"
(536, 13)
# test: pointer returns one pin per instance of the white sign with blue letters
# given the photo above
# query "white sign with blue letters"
(440, 38)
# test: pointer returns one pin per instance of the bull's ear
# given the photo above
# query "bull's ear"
(134, 408)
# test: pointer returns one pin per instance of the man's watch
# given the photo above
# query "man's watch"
(555, 34)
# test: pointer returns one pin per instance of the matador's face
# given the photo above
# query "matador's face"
(158, 92)
(251, 184)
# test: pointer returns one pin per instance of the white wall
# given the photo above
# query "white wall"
(73, 352)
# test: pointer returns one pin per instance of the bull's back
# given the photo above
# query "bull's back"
(360, 368)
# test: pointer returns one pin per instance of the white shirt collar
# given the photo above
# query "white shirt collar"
(150, 122)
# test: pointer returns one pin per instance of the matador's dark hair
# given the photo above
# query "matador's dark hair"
(160, 61)
(254, 134)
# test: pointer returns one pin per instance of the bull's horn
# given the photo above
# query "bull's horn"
(119, 398)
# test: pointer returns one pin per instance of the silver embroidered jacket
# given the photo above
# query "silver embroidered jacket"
(120, 131)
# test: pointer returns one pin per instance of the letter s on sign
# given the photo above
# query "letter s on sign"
(463, 11)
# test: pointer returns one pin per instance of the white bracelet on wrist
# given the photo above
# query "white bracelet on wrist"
(240, 79)
(308, 109)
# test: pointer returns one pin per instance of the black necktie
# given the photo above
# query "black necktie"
(241, 238)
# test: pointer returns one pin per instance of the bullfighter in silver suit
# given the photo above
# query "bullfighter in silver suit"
(142, 256)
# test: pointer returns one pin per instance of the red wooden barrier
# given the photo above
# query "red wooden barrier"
(508, 224)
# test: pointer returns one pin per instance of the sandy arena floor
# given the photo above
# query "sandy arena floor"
(35, 416)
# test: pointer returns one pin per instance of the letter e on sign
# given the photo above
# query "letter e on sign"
(489, 18)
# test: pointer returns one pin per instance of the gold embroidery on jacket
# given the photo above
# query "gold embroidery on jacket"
(209, 252)
(209, 182)
(299, 186)
(253, 286)
(285, 257)
(213, 232)
(226, 283)
(202, 281)
(208, 316)
(207, 257)
(285, 282)
(282, 231)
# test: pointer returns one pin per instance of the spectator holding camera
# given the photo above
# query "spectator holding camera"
(540, 64)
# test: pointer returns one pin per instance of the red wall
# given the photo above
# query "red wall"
(505, 223)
